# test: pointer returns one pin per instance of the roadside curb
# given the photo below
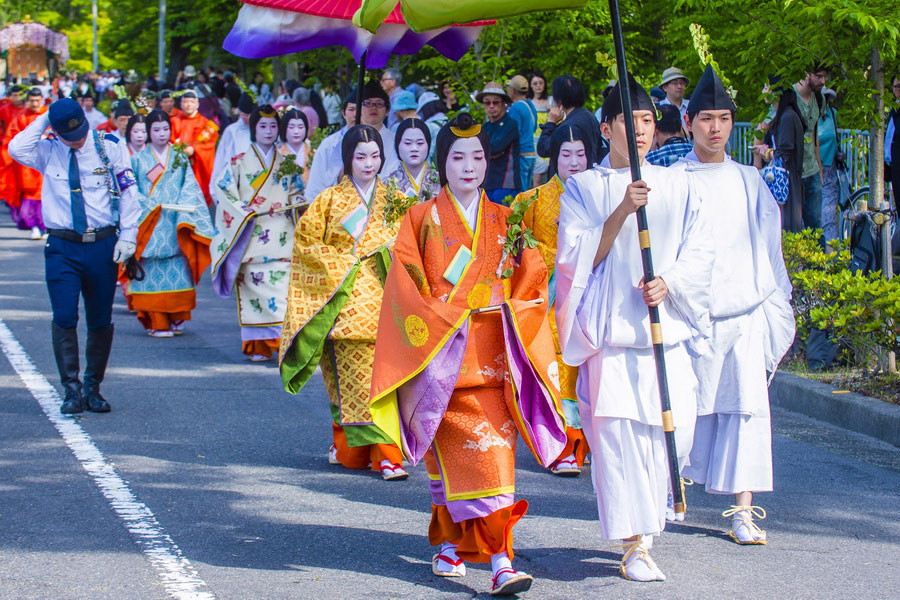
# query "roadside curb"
(869, 416)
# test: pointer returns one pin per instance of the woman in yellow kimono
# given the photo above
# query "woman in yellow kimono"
(251, 251)
(464, 360)
(567, 157)
(295, 140)
(335, 296)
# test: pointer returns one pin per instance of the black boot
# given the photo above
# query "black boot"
(96, 356)
(65, 349)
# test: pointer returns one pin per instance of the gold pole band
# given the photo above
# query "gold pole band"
(656, 333)
(644, 238)
(667, 421)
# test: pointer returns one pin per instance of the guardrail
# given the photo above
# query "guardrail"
(853, 142)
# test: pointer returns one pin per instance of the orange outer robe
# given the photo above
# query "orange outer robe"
(9, 112)
(455, 386)
(542, 217)
(25, 181)
(201, 134)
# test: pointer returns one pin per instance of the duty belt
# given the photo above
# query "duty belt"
(90, 234)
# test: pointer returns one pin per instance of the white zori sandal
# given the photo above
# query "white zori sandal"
(446, 563)
(743, 530)
(637, 564)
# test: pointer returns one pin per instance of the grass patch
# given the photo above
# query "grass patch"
(883, 386)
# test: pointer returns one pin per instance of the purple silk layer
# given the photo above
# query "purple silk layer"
(272, 332)
(544, 426)
(223, 277)
(423, 400)
(260, 32)
(461, 510)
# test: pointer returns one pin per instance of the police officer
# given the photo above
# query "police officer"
(90, 208)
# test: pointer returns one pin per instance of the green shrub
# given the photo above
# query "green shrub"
(861, 312)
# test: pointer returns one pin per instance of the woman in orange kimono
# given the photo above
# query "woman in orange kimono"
(464, 360)
(567, 157)
(25, 200)
(199, 134)
(339, 259)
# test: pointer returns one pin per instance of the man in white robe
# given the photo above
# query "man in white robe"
(750, 311)
(604, 326)
(233, 141)
(326, 167)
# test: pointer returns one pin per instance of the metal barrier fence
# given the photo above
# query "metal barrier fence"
(853, 142)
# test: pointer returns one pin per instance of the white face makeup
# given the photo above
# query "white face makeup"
(160, 132)
(466, 166)
(138, 134)
(295, 132)
(366, 162)
(572, 159)
(266, 132)
(413, 148)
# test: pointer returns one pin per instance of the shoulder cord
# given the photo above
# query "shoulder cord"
(111, 183)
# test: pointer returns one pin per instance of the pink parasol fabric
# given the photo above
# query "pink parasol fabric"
(267, 28)
(36, 34)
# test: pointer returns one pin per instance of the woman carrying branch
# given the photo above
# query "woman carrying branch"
(251, 252)
(464, 359)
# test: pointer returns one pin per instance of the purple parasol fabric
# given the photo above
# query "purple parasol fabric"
(263, 31)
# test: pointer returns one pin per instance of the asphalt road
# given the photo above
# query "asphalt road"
(234, 472)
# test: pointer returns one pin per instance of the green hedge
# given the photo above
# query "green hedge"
(861, 312)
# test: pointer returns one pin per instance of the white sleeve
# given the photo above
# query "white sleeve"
(28, 148)
(580, 289)
(223, 156)
(318, 171)
(690, 277)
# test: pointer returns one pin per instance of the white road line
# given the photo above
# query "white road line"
(175, 571)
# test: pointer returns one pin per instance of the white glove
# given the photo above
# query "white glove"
(123, 251)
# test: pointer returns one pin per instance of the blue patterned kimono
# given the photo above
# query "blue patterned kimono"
(173, 245)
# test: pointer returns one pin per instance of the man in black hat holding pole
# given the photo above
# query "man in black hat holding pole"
(750, 313)
(602, 319)
(90, 208)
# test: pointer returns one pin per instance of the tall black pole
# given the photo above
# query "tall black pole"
(647, 260)
(359, 86)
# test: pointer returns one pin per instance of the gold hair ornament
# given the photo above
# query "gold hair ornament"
(466, 133)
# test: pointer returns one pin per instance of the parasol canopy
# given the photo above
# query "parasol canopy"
(424, 15)
(267, 28)
(15, 35)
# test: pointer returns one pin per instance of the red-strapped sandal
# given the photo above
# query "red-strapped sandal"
(459, 569)
(519, 582)
(393, 473)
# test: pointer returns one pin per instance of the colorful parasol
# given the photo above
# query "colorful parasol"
(267, 28)
(425, 15)
(34, 34)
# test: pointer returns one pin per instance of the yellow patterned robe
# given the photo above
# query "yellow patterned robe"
(334, 302)
(543, 219)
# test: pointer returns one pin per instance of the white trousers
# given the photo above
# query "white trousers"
(630, 472)
(732, 453)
